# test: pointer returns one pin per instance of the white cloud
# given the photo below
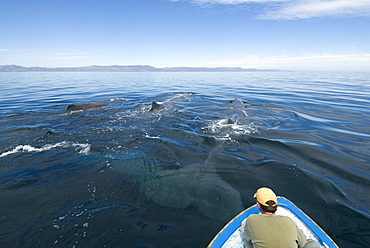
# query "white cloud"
(4, 50)
(323, 62)
(302, 9)
(235, 1)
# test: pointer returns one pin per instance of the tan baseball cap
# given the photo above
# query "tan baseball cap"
(264, 195)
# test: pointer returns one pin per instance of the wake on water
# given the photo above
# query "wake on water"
(81, 148)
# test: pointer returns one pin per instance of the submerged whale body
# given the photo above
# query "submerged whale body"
(84, 106)
(197, 184)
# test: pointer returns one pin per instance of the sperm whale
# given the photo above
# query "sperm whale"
(196, 184)
(85, 106)
(157, 106)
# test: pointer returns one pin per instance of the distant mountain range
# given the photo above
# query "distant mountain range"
(123, 68)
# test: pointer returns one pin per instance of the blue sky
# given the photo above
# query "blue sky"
(263, 34)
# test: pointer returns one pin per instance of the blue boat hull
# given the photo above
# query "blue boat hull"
(232, 235)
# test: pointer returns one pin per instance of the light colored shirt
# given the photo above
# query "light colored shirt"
(273, 231)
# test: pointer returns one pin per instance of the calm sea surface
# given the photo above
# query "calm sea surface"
(124, 175)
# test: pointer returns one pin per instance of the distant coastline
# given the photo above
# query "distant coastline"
(124, 68)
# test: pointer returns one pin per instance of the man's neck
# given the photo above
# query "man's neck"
(268, 213)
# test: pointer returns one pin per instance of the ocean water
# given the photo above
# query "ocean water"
(124, 175)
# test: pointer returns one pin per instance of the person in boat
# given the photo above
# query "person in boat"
(267, 230)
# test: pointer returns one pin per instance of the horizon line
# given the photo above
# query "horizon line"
(124, 68)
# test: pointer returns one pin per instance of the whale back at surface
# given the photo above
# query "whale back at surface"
(84, 106)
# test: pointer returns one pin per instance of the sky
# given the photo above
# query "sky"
(262, 34)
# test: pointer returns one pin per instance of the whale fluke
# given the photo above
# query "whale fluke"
(84, 106)
(235, 112)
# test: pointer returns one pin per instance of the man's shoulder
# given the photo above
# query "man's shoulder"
(254, 216)
(265, 216)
